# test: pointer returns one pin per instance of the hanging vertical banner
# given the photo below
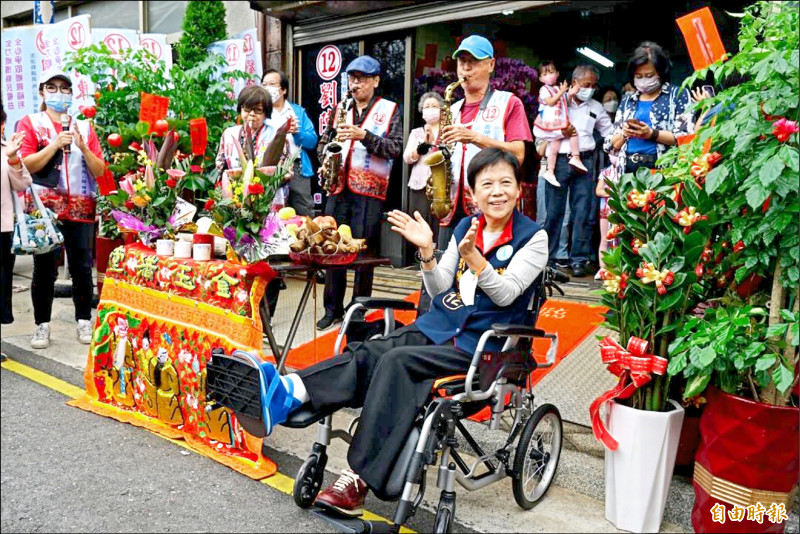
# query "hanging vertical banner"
(44, 12)
(156, 44)
(252, 52)
(152, 109)
(31, 50)
(233, 52)
(198, 130)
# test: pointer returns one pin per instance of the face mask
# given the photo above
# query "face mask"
(647, 85)
(274, 93)
(585, 94)
(550, 79)
(431, 115)
(58, 102)
(611, 106)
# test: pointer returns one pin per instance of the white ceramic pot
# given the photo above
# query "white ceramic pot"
(639, 472)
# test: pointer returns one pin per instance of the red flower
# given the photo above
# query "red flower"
(662, 290)
(698, 271)
(783, 128)
(172, 182)
(255, 189)
(706, 255)
(129, 204)
(209, 204)
(196, 168)
(623, 281)
(714, 158)
(739, 246)
(136, 147)
(89, 112)
(669, 278)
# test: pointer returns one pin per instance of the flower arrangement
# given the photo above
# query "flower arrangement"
(242, 201)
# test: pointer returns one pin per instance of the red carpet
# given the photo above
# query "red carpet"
(571, 320)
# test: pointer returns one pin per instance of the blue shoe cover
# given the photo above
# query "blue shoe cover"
(276, 401)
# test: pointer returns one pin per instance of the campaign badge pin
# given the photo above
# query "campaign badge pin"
(503, 253)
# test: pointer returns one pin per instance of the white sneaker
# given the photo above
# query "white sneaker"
(84, 331)
(550, 178)
(41, 337)
(576, 163)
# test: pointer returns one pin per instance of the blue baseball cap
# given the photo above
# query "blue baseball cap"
(366, 64)
(477, 45)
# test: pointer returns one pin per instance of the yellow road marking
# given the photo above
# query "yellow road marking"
(278, 481)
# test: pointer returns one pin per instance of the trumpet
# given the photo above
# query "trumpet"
(441, 178)
(332, 165)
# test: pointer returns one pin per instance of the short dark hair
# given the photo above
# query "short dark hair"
(252, 96)
(284, 79)
(601, 92)
(489, 157)
(650, 51)
(546, 63)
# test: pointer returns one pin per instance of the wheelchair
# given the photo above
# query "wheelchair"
(499, 381)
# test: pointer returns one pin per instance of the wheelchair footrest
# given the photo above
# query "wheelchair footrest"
(305, 416)
(352, 525)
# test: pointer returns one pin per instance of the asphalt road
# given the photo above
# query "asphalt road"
(67, 470)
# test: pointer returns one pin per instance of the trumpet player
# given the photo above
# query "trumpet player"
(372, 135)
(485, 118)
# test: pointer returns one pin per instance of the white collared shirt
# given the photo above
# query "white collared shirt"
(587, 117)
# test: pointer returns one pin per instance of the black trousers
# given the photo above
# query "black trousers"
(391, 378)
(363, 215)
(7, 274)
(78, 241)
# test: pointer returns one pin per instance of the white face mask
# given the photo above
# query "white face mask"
(585, 94)
(274, 93)
(431, 115)
(648, 85)
(611, 106)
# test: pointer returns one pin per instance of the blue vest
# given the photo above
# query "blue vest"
(449, 318)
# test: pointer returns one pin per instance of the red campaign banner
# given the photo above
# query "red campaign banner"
(153, 108)
(702, 38)
(198, 130)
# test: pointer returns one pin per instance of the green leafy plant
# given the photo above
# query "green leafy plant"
(736, 345)
(203, 24)
(194, 93)
(753, 247)
(742, 196)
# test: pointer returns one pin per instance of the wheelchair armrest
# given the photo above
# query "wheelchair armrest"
(377, 303)
(517, 330)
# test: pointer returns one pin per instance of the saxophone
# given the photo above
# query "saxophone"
(441, 178)
(332, 166)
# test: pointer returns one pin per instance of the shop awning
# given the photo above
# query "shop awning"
(317, 21)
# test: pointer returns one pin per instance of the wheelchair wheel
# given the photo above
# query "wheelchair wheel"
(308, 481)
(537, 455)
(444, 513)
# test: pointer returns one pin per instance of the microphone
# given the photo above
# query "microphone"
(65, 127)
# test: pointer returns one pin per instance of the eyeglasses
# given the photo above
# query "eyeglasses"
(357, 79)
(257, 111)
(51, 88)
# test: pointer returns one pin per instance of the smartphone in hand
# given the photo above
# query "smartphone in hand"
(709, 89)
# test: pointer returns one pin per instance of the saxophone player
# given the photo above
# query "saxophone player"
(484, 118)
(372, 134)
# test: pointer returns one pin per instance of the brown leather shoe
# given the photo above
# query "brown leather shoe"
(346, 495)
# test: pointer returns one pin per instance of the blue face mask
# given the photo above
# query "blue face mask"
(58, 102)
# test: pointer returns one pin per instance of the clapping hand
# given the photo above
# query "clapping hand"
(415, 229)
(467, 245)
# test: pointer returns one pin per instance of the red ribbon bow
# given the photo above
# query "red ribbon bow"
(633, 367)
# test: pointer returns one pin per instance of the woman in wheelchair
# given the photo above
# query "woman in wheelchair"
(485, 276)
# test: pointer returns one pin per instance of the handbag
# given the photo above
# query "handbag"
(34, 233)
(49, 175)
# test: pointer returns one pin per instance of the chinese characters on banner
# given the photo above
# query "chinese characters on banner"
(233, 52)
(31, 50)
(329, 64)
(252, 52)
